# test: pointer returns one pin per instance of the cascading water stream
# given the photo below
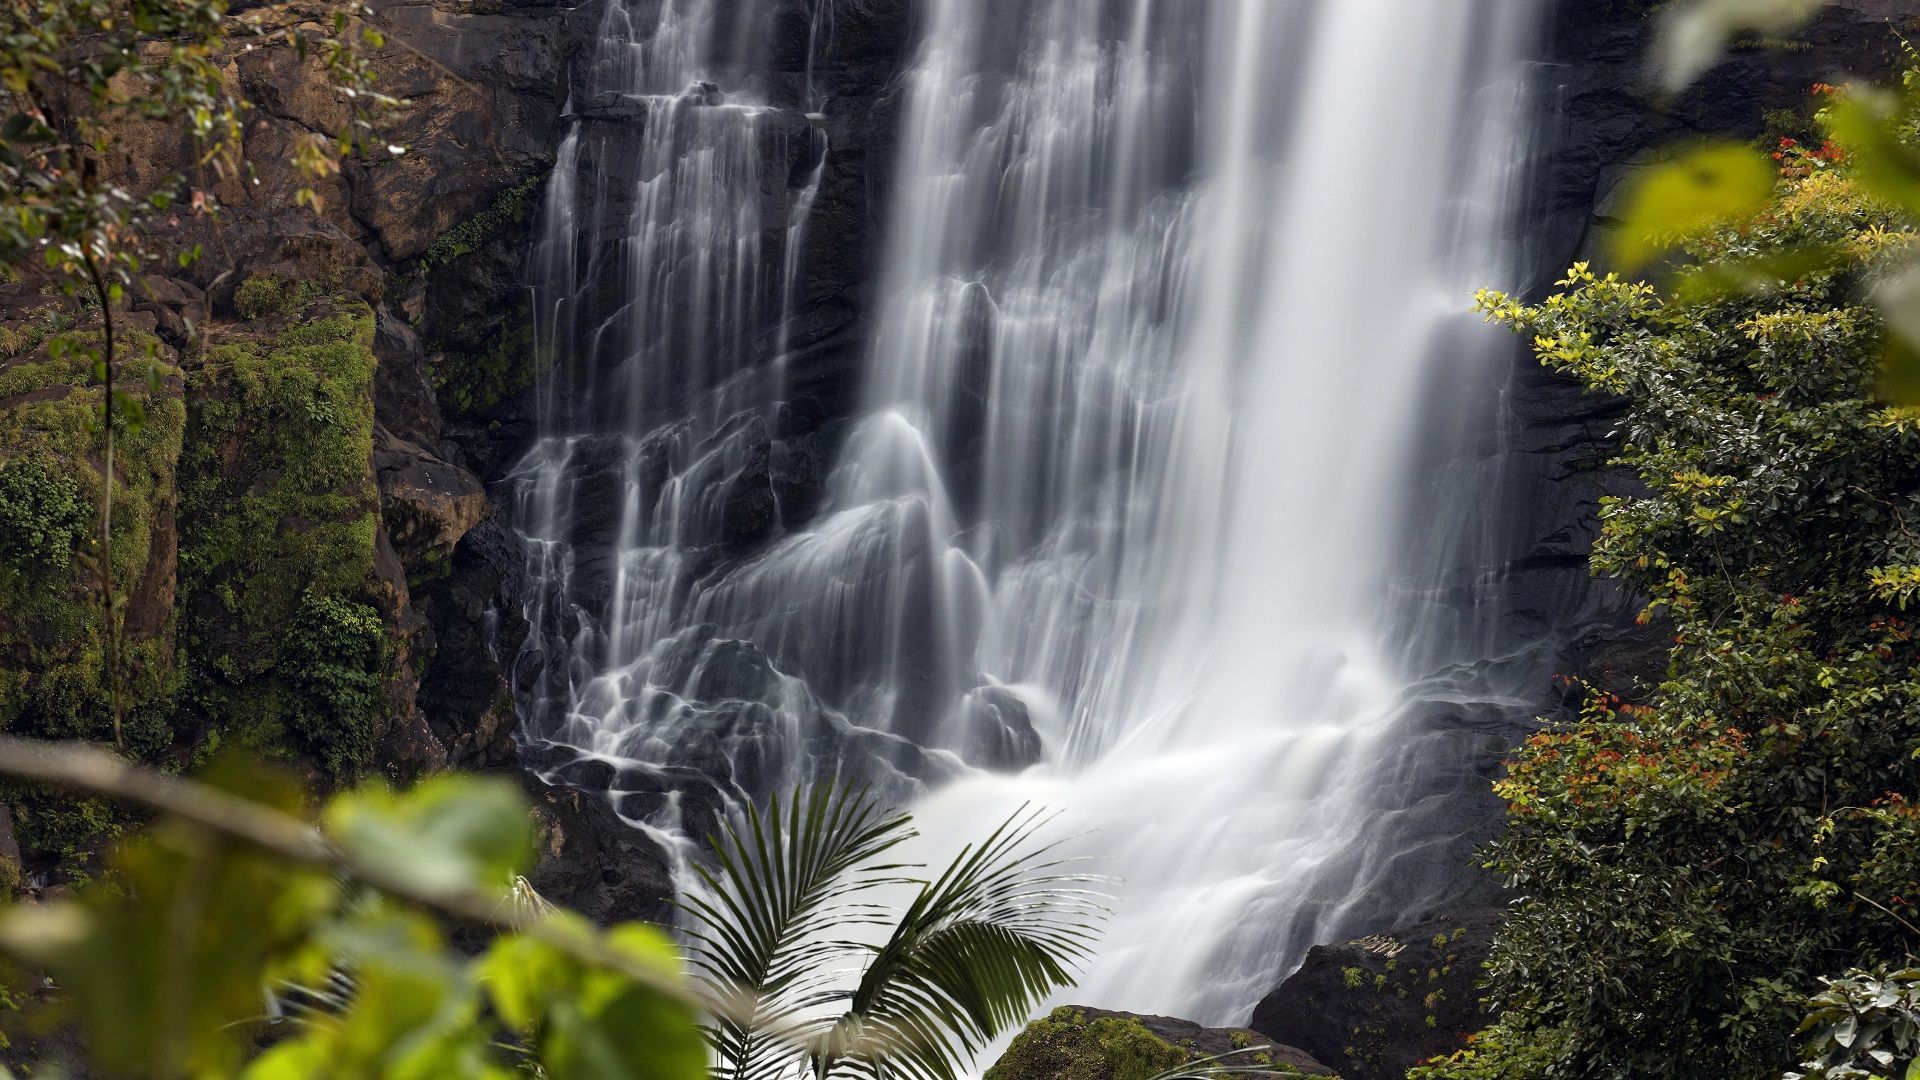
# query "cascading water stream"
(1168, 502)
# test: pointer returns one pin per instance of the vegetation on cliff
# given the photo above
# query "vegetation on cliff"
(279, 518)
(1693, 860)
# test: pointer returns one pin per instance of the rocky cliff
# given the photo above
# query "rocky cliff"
(285, 508)
(308, 533)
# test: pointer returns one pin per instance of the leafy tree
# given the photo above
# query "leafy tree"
(1689, 864)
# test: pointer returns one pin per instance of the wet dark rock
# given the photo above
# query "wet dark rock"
(999, 731)
(463, 693)
(1373, 1007)
(403, 399)
(591, 861)
(428, 504)
(704, 93)
(613, 108)
(733, 671)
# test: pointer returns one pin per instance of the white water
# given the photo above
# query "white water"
(1167, 444)
(1204, 404)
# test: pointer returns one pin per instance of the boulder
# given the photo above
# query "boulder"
(1077, 1043)
(591, 861)
(1378, 1005)
(428, 504)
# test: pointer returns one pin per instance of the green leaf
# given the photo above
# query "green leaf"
(450, 834)
(1759, 276)
(1693, 35)
(164, 968)
(414, 1012)
(1868, 124)
(1714, 185)
(592, 1023)
(772, 917)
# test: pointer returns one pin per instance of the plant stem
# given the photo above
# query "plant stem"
(112, 629)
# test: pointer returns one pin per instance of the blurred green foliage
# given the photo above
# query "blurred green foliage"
(167, 964)
(234, 939)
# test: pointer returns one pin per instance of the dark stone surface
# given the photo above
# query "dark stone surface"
(463, 694)
(1374, 1007)
(592, 862)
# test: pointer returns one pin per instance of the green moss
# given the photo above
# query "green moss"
(509, 207)
(52, 620)
(269, 296)
(1065, 1045)
(470, 383)
(278, 504)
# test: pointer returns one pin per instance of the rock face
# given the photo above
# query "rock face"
(1076, 1043)
(592, 862)
(1374, 1007)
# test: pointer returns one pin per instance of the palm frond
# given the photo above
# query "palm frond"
(762, 932)
(1002, 927)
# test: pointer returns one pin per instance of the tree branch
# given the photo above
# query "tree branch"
(95, 771)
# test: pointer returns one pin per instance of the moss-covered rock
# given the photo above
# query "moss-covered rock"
(1067, 1045)
(280, 508)
(53, 654)
(52, 620)
(1074, 1043)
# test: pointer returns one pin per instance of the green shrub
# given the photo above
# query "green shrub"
(1499, 1054)
(1692, 857)
(43, 516)
(267, 296)
(1863, 1025)
(332, 660)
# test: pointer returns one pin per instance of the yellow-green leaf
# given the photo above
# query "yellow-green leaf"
(1714, 185)
(450, 834)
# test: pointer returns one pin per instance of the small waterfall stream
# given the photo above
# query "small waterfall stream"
(1171, 498)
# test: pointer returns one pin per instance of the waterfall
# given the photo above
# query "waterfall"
(1171, 497)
